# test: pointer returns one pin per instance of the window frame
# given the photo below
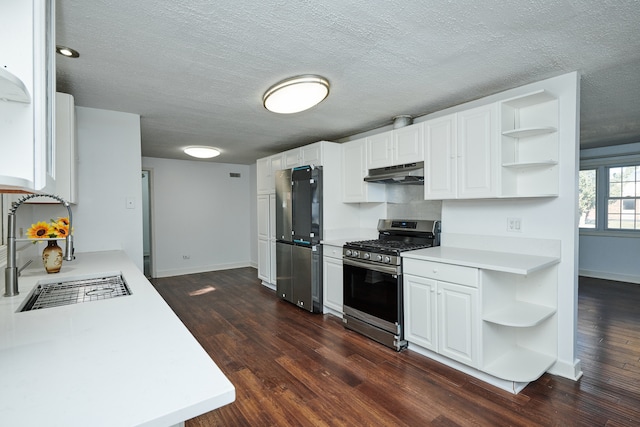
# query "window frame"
(602, 164)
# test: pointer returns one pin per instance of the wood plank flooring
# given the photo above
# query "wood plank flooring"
(294, 368)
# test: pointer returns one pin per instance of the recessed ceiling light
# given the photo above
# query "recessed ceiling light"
(67, 51)
(296, 94)
(202, 152)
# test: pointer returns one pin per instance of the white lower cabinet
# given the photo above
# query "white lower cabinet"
(442, 317)
(332, 277)
(264, 260)
(500, 319)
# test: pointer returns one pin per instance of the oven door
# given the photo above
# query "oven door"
(373, 293)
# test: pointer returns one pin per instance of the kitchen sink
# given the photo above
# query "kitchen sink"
(76, 291)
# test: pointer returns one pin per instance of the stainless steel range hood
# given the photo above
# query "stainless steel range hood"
(411, 173)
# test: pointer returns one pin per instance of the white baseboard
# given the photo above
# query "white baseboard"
(201, 269)
(610, 276)
(570, 370)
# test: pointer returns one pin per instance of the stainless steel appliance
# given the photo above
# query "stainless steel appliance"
(298, 235)
(372, 273)
(410, 173)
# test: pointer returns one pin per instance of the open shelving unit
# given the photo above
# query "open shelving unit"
(12, 88)
(519, 324)
(529, 145)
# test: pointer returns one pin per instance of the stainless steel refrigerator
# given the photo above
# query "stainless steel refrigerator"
(298, 235)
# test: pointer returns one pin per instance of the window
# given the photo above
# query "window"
(623, 210)
(609, 197)
(587, 198)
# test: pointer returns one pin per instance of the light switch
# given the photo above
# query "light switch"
(131, 203)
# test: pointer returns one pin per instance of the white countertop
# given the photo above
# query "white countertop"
(488, 260)
(125, 361)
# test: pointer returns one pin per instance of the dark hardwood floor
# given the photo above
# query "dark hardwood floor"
(291, 367)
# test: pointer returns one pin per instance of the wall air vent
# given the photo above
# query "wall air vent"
(234, 174)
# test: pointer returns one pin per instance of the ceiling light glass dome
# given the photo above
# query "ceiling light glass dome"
(296, 94)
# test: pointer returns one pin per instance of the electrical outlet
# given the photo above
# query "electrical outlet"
(186, 256)
(514, 225)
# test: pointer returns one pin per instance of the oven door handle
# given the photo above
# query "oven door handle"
(393, 270)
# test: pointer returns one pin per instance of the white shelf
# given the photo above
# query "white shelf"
(520, 365)
(529, 99)
(523, 165)
(12, 88)
(520, 315)
(528, 132)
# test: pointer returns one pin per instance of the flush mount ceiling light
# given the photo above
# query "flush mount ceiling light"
(296, 94)
(202, 152)
(67, 51)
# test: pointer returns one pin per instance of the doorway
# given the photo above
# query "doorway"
(146, 225)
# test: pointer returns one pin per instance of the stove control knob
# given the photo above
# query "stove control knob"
(356, 254)
(379, 258)
(367, 255)
(347, 252)
(387, 259)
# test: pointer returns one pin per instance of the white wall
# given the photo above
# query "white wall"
(108, 174)
(610, 254)
(201, 213)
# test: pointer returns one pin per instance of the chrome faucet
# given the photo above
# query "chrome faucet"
(11, 273)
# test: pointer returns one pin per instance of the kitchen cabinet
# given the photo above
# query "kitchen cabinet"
(440, 178)
(66, 158)
(265, 169)
(266, 238)
(307, 155)
(332, 279)
(354, 169)
(396, 147)
(529, 145)
(264, 246)
(441, 315)
(495, 311)
(461, 155)
(27, 90)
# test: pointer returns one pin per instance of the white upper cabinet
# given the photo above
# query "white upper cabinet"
(354, 169)
(291, 158)
(461, 155)
(27, 97)
(265, 169)
(379, 150)
(408, 144)
(477, 152)
(396, 147)
(440, 158)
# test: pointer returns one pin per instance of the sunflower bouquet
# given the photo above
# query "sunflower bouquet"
(54, 229)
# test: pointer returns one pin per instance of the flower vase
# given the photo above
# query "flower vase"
(52, 257)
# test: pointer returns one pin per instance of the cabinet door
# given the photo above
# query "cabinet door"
(291, 159)
(263, 174)
(332, 273)
(420, 311)
(272, 216)
(312, 154)
(264, 260)
(354, 169)
(457, 322)
(477, 171)
(408, 144)
(263, 217)
(440, 158)
(273, 267)
(380, 150)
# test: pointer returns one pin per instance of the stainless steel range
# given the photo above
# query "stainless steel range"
(372, 272)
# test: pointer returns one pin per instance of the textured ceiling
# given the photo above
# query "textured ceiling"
(195, 71)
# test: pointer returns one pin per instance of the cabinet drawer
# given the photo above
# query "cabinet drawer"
(332, 251)
(442, 272)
